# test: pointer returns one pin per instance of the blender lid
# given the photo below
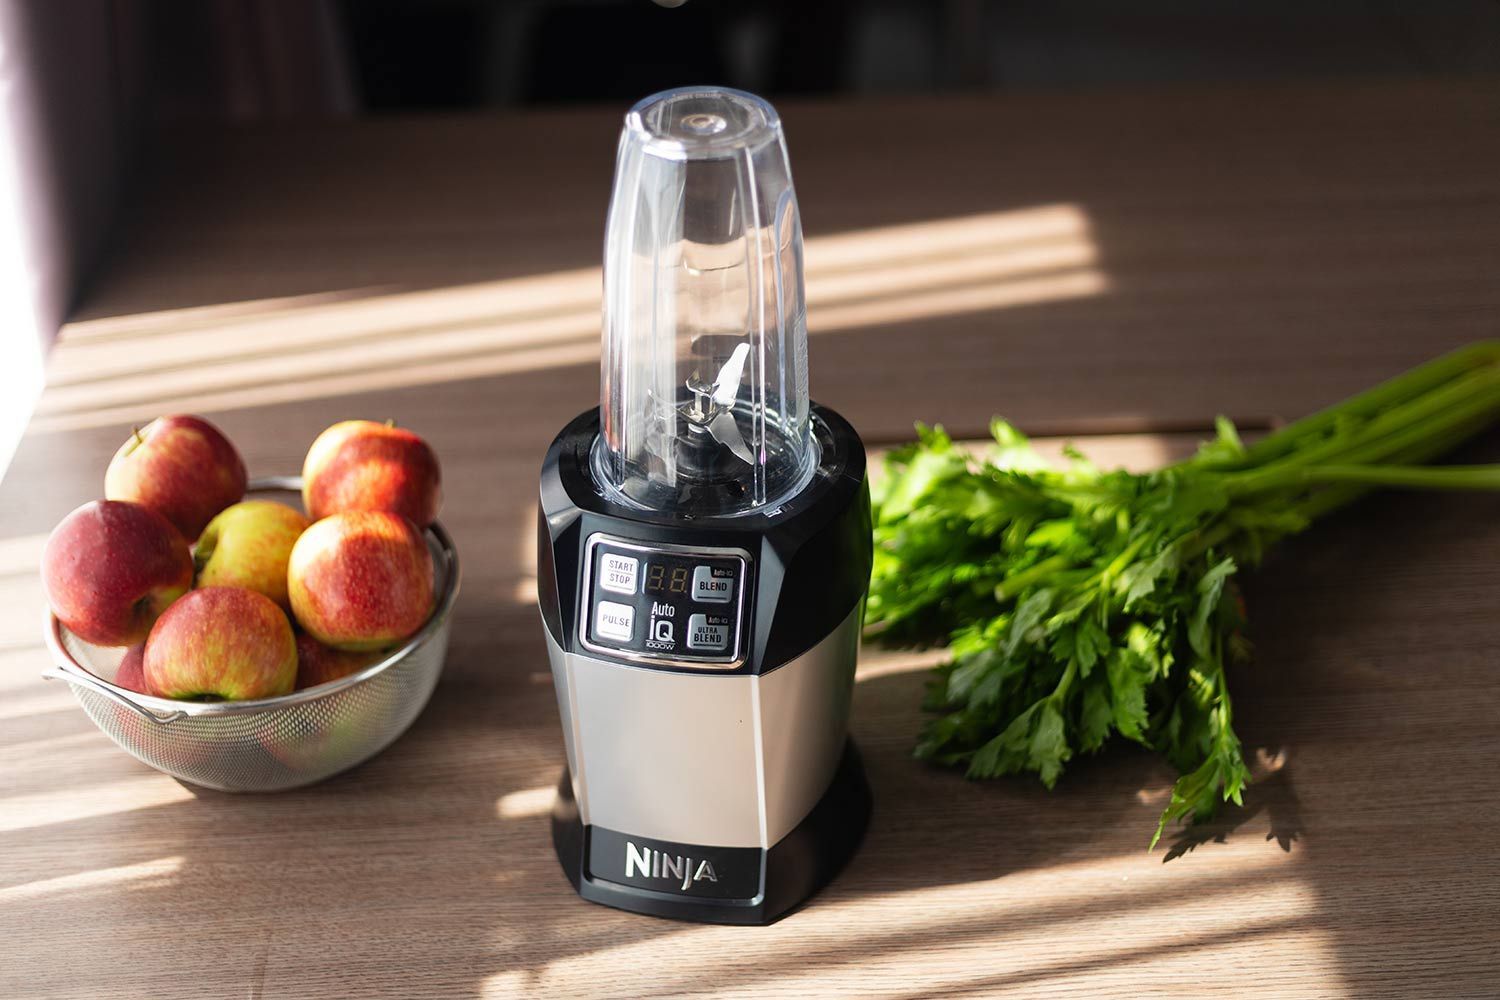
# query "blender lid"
(703, 389)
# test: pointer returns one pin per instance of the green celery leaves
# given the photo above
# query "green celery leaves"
(1079, 604)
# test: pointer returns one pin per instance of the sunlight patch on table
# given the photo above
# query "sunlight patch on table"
(146, 872)
(528, 802)
(25, 694)
(525, 592)
(44, 746)
(127, 368)
(65, 805)
(524, 556)
(158, 321)
(21, 554)
(22, 605)
(964, 299)
(1062, 223)
(1134, 452)
(875, 662)
(1095, 921)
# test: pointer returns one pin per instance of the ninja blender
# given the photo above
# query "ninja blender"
(704, 544)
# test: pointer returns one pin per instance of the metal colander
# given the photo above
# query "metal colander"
(272, 743)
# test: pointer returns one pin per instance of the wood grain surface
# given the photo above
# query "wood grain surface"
(1123, 266)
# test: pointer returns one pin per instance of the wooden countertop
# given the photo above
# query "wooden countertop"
(1122, 265)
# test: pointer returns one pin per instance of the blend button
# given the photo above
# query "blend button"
(614, 621)
(617, 573)
(713, 585)
(706, 636)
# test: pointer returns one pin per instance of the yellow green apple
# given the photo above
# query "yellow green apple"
(249, 545)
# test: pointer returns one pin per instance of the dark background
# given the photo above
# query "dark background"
(253, 58)
(99, 93)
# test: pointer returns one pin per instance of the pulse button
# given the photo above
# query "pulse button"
(614, 621)
(713, 584)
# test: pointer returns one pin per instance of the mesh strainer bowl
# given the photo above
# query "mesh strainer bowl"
(272, 743)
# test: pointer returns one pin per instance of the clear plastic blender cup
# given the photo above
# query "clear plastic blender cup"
(704, 394)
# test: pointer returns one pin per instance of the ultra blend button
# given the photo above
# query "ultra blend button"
(713, 584)
(703, 635)
(614, 621)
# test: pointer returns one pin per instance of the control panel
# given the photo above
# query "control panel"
(672, 604)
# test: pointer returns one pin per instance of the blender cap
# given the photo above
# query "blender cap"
(703, 122)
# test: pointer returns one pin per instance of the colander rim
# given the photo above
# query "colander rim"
(172, 708)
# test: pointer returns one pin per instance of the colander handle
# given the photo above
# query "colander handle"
(78, 679)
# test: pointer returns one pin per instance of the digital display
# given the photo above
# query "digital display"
(663, 579)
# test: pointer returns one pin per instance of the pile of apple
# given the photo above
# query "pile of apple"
(223, 598)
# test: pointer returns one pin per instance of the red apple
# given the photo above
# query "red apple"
(319, 664)
(180, 466)
(248, 545)
(222, 643)
(131, 673)
(362, 465)
(361, 580)
(111, 568)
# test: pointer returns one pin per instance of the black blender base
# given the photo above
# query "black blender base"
(773, 882)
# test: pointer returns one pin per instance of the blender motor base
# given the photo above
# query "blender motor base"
(794, 868)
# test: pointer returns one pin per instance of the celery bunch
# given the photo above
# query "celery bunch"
(1080, 603)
